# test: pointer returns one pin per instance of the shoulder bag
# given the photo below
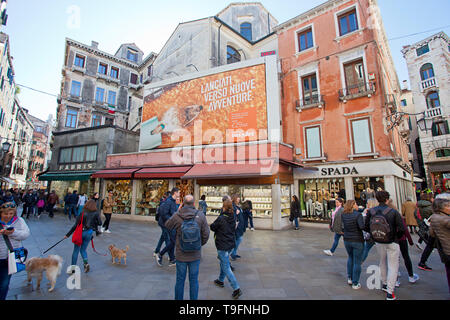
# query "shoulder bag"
(16, 257)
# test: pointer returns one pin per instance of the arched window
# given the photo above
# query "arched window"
(246, 30)
(433, 100)
(426, 71)
(232, 55)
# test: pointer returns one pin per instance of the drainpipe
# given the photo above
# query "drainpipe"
(218, 47)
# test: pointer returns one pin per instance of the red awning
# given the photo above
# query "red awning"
(230, 170)
(115, 173)
(162, 172)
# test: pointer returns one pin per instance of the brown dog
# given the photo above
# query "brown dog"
(51, 265)
(118, 253)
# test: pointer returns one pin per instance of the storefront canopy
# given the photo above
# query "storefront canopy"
(162, 172)
(8, 180)
(115, 173)
(66, 176)
(232, 170)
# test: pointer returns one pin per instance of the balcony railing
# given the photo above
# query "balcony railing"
(361, 89)
(78, 68)
(310, 102)
(428, 83)
(433, 113)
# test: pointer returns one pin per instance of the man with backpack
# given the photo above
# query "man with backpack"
(192, 232)
(386, 227)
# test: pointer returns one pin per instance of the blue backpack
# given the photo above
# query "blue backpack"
(190, 239)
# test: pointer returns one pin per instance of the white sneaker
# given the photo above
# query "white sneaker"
(358, 286)
(419, 246)
(253, 229)
(349, 282)
(397, 283)
(107, 231)
(102, 229)
(414, 278)
(328, 252)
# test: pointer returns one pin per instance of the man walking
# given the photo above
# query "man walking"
(73, 201)
(52, 200)
(164, 237)
(166, 211)
(192, 232)
(386, 226)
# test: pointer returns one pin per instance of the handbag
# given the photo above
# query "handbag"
(16, 257)
(77, 237)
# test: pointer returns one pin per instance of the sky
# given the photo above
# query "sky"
(37, 31)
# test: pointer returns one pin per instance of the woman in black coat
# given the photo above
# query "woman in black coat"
(295, 211)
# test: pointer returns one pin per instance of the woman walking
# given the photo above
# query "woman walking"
(353, 223)
(295, 211)
(336, 225)
(89, 219)
(16, 230)
(408, 209)
(98, 202)
(224, 235)
(368, 241)
(240, 227)
(108, 204)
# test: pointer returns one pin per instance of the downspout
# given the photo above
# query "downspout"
(218, 47)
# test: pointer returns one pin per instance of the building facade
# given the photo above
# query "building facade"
(429, 75)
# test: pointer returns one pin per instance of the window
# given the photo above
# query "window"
(313, 142)
(71, 118)
(76, 88)
(309, 85)
(348, 22)
(100, 95)
(114, 73)
(111, 98)
(232, 55)
(426, 71)
(422, 50)
(433, 100)
(132, 55)
(246, 30)
(403, 103)
(439, 128)
(109, 121)
(79, 61)
(96, 120)
(134, 78)
(78, 154)
(354, 74)
(102, 68)
(361, 136)
(442, 153)
(305, 40)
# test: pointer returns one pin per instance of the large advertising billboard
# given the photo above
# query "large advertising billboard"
(219, 108)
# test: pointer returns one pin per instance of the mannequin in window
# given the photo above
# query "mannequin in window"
(308, 198)
(325, 199)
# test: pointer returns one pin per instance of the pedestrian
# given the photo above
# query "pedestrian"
(224, 236)
(16, 230)
(240, 225)
(40, 203)
(167, 210)
(423, 212)
(108, 205)
(202, 206)
(368, 241)
(336, 225)
(98, 203)
(8, 197)
(66, 204)
(89, 219)
(440, 230)
(52, 200)
(188, 258)
(35, 201)
(247, 209)
(72, 202)
(295, 211)
(353, 225)
(81, 202)
(386, 226)
(163, 238)
(28, 202)
(408, 208)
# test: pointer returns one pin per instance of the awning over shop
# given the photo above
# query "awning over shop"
(8, 180)
(162, 172)
(115, 173)
(230, 170)
(439, 167)
(66, 176)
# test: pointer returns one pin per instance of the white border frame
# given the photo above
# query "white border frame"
(305, 141)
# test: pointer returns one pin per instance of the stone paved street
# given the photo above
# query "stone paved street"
(279, 265)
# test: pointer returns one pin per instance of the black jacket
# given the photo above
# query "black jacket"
(353, 225)
(224, 231)
(295, 209)
(91, 220)
(29, 199)
(394, 219)
(72, 199)
(166, 210)
(240, 229)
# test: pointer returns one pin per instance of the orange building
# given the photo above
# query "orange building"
(338, 86)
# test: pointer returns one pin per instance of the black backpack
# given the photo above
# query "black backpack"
(380, 229)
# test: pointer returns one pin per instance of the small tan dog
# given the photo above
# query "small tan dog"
(52, 266)
(118, 253)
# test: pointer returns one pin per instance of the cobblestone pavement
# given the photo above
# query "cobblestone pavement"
(275, 265)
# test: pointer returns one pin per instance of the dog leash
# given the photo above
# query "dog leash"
(54, 245)
(93, 248)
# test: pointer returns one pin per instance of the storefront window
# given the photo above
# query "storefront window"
(366, 187)
(149, 194)
(285, 200)
(319, 197)
(122, 193)
(261, 198)
(186, 187)
(441, 182)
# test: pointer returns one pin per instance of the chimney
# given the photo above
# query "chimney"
(94, 44)
(405, 85)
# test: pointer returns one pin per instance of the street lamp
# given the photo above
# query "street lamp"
(425, 123)
(5, 146)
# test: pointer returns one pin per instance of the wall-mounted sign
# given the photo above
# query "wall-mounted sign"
(268, 53)
(338, 171)
(77, 166)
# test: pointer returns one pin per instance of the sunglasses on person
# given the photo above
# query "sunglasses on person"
(8, 205)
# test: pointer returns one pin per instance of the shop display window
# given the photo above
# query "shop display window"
(122, 193)
(186, 187)
(149, 194)
(261, 198)
(319, 197)
(440, 182)
(286, 200)
(365, 188)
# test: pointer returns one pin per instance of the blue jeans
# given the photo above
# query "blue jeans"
(80, 209)
(296, 222)
(170, 244)
(163, 238)
(181, 278)
(4, 279)
(238, 242)
(367, 246)
(225, 269)
(87, 236)
(72, 210)
(337, 236)
(355, 252)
